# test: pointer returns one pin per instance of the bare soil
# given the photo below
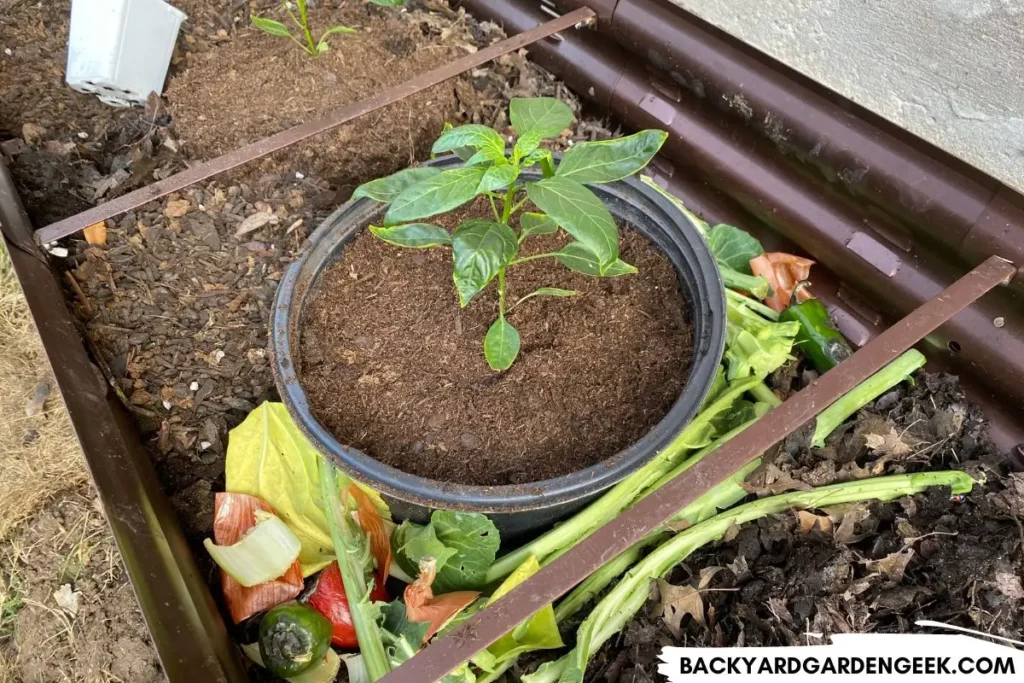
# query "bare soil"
(596, 371)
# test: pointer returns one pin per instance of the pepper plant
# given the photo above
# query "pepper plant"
(301, 21)
(485, 249)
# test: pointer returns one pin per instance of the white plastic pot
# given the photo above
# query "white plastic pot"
(120, 49)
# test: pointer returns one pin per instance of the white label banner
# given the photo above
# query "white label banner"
(850, 658)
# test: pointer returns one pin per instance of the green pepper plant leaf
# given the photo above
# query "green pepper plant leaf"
(303, 36)
(484, 250)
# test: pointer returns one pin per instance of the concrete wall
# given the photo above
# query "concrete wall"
(951, 71)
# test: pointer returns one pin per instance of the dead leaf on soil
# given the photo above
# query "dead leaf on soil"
(96, 233)
(254, 222)
(775, 481)
(1009, 585)
(779, 609)
(67, 599)
(810, 521)
(892, 566)
(32, 132)
(887, 443)
(176, 208)
(678, 601)
(848, 517)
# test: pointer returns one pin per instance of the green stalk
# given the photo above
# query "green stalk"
(501, 293)
(762, 393)
(349, 554)
(866, 392)
(623, 494)
(734, 279)
(507, 204)
(752, 304)
(610, 615)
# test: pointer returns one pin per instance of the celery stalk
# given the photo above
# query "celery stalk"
(866, 392)
(350, 546)
(613, 613)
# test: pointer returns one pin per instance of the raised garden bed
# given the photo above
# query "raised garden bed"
(177, 300)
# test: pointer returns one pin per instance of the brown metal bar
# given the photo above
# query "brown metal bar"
(557, 578)
(260, 148)
(190, 637)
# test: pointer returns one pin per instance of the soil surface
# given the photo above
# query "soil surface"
(873, 567)
(596, 371)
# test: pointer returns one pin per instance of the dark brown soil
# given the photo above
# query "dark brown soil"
(596, 372)
(261, 84)
(932, 557)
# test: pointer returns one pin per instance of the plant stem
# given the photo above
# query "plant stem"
(762, 393)
(494, 208)
(547, 254)
(752, 304)
(353, 578)
(866, 392)
(506, 204)
(611, 614)
(755, 284)
(501, 293)
(520, 204)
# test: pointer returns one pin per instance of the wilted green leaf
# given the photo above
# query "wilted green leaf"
(498, 176)
(547, 291)
(580, 213)
(576, 256)
(388, 188)
(468, 542)
(605, 161)
(481, 138)
(274, 28)
(733, 248)
(414, 235)
(536, 224)
(337, 29)
(501, 345)
(480, 248)
(388, 3)
(545, 115)
(436, 194)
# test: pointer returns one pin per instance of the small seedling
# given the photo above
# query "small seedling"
(276, 28)
(484, 249)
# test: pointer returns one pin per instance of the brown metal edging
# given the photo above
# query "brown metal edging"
(557, 578)
(242, 155)
(190, 637)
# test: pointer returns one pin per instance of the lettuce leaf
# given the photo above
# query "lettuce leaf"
(464, 545)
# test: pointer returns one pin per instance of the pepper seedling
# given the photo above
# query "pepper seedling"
(484, 249)
(301, 21)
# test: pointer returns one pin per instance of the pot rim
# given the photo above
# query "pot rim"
(706, 309)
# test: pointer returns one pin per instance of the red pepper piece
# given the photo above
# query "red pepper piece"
(330, 600)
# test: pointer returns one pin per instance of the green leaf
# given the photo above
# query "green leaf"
(396, 622)
(576, 256)
(545, 115)
(580, 213)
(539, 632)
(468, 541)
(388, 188)
(388, 3)
(527, 144)
(733, 248)
(337, 29)
(536, 224)
(553, 291)
(480, 248)
(498, 176)
(268, 457)
(414, 235)
(605, 161)
(501, 345)
(436, 194)
(536, 156)
(481, 138)
(274, 28)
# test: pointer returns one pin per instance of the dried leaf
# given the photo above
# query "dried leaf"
(96, 233)
(740, 568)
(848, 518)
(67, 599)
(677, 602)
(779, 609)
(888, 443)
(176, 208)
(892, 566)
(1009, 585)
(378, 532)
(731, 533)
(254, 222)
(421, 605)
(706, 575)
(810, 521)
(776, 481)
(32, 132)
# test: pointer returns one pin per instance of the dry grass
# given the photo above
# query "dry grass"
(39, 456)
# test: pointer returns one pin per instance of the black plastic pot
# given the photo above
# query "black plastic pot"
(518, 509)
